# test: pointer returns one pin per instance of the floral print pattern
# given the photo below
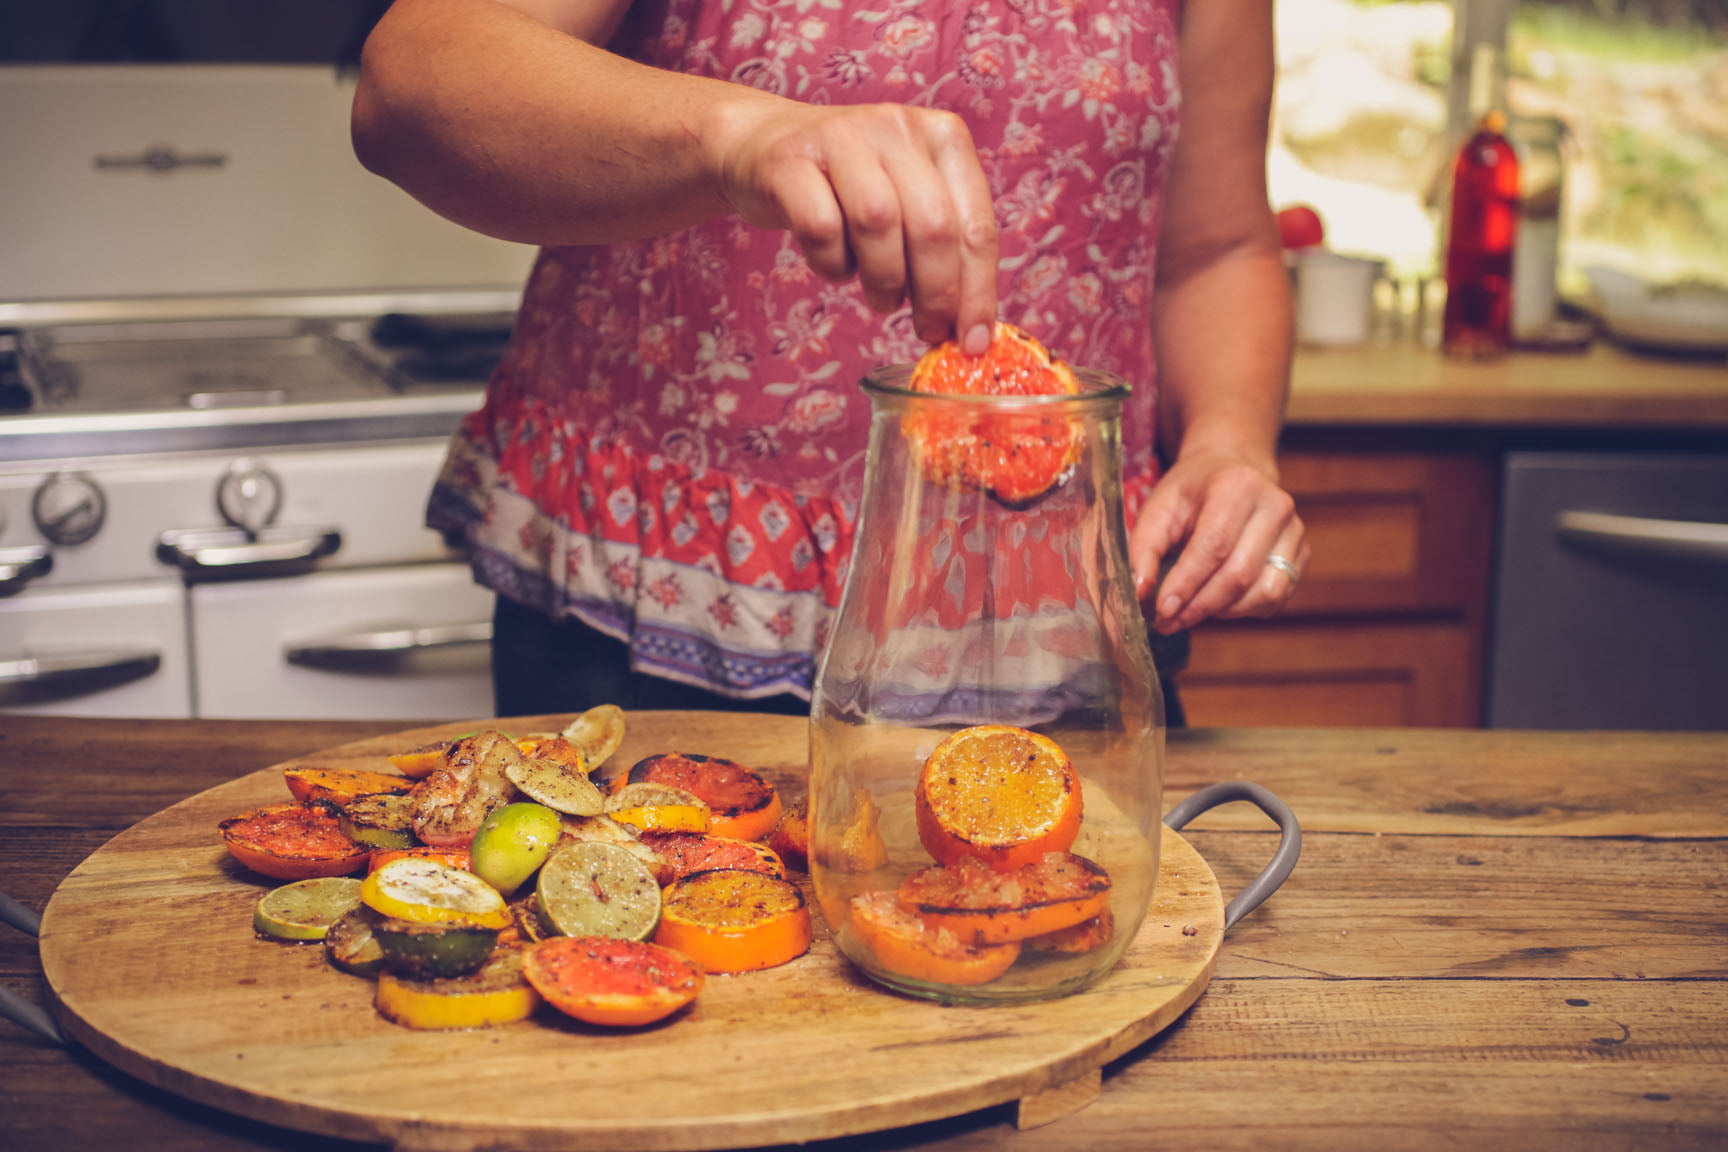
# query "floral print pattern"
(673, 448)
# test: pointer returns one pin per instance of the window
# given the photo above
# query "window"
(1371, 104)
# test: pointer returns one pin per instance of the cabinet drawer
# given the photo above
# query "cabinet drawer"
(1392, 532)
(1296, 674)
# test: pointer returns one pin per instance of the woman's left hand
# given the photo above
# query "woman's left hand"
(1223, 522)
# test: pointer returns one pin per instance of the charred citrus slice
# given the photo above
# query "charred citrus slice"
(1086, 936)
(862, 848)
(305, 909)
(597, 732)
(472, 781)
(350, 945)
(496, 994)
(658, 807)
(741, 804)
(682, 853)
(292, 842)
(731, 920)
(791, 837)
(902, 943)
(1016, 456)
(619, 983)
(424, 891)
(559, 784)
(553, 747)
(454, 857)
(1015, 364)
(983, 906)
(998, 794)
(593, 889)
(419, 763)
(385, 820)
(528, 926)
(431, 951)
(340, 786)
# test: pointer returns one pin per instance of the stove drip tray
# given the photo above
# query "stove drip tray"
(201, 365)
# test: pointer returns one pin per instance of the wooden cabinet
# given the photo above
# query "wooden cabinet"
(1388, 626)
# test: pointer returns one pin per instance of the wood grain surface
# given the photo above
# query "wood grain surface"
(149, 950)
(1405, 383)
(1494, 940)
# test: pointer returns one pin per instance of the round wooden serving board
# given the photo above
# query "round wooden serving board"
(148, 947)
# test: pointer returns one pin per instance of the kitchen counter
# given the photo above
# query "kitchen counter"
(1405, 384)
(1497, 939)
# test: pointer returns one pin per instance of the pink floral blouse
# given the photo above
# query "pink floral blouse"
(673, 449)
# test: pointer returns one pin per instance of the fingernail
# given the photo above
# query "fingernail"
(977, 340)
(1170, 607)
(1142, 586)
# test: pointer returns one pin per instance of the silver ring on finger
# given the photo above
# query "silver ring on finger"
(1283, 564)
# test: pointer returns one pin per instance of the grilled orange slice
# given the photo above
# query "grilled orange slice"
(732, 920)
(741, 804)
(342, 786)
(983, 906)
(1016, 456)
(904, 944)
(998, 794)
(620, 983)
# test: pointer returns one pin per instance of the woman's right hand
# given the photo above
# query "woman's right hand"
(891, 194)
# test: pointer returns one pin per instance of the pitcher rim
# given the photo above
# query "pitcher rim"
(1098, 388)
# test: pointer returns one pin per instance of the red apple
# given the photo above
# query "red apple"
(1299, 226)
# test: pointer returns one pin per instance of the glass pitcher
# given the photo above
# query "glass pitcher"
(989, 585)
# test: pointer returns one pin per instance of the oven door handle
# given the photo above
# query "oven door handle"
(31, 677)
(1645, 536)
(19, 566)
(228, 552)
(365, 649)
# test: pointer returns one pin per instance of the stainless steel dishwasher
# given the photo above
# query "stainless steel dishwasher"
(1611, 596)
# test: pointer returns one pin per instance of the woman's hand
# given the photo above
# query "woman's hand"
(891, 194)
(1220, 516)
(1222, 323)
(510, 119)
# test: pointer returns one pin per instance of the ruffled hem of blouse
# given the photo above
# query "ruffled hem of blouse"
(709, 579)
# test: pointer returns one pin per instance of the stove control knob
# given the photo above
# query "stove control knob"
(249, 495)
(68, 508)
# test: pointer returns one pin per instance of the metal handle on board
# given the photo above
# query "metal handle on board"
(13, 1006)
(1289, 841)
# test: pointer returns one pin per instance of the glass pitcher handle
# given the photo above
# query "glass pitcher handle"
(1289, 842)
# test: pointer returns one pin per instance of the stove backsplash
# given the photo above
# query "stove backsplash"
(149, 180)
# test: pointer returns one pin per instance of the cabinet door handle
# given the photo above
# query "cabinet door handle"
(219, 552)
(1644, 536)
(19, 566)
(31, 677)
(369, 648)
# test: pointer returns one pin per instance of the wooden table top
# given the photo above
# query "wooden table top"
(1499, 940)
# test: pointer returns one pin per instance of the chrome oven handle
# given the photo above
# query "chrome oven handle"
(366, 648)
(231, 552)
(1644, 536)
(32, 675)
(19, 566)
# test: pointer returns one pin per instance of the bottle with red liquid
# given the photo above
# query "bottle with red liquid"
(1482, 229)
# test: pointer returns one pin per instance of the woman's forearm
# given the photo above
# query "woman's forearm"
(516, 125)
(1224, 345)
(495, 120)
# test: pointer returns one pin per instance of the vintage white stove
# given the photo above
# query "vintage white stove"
(229, 363)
